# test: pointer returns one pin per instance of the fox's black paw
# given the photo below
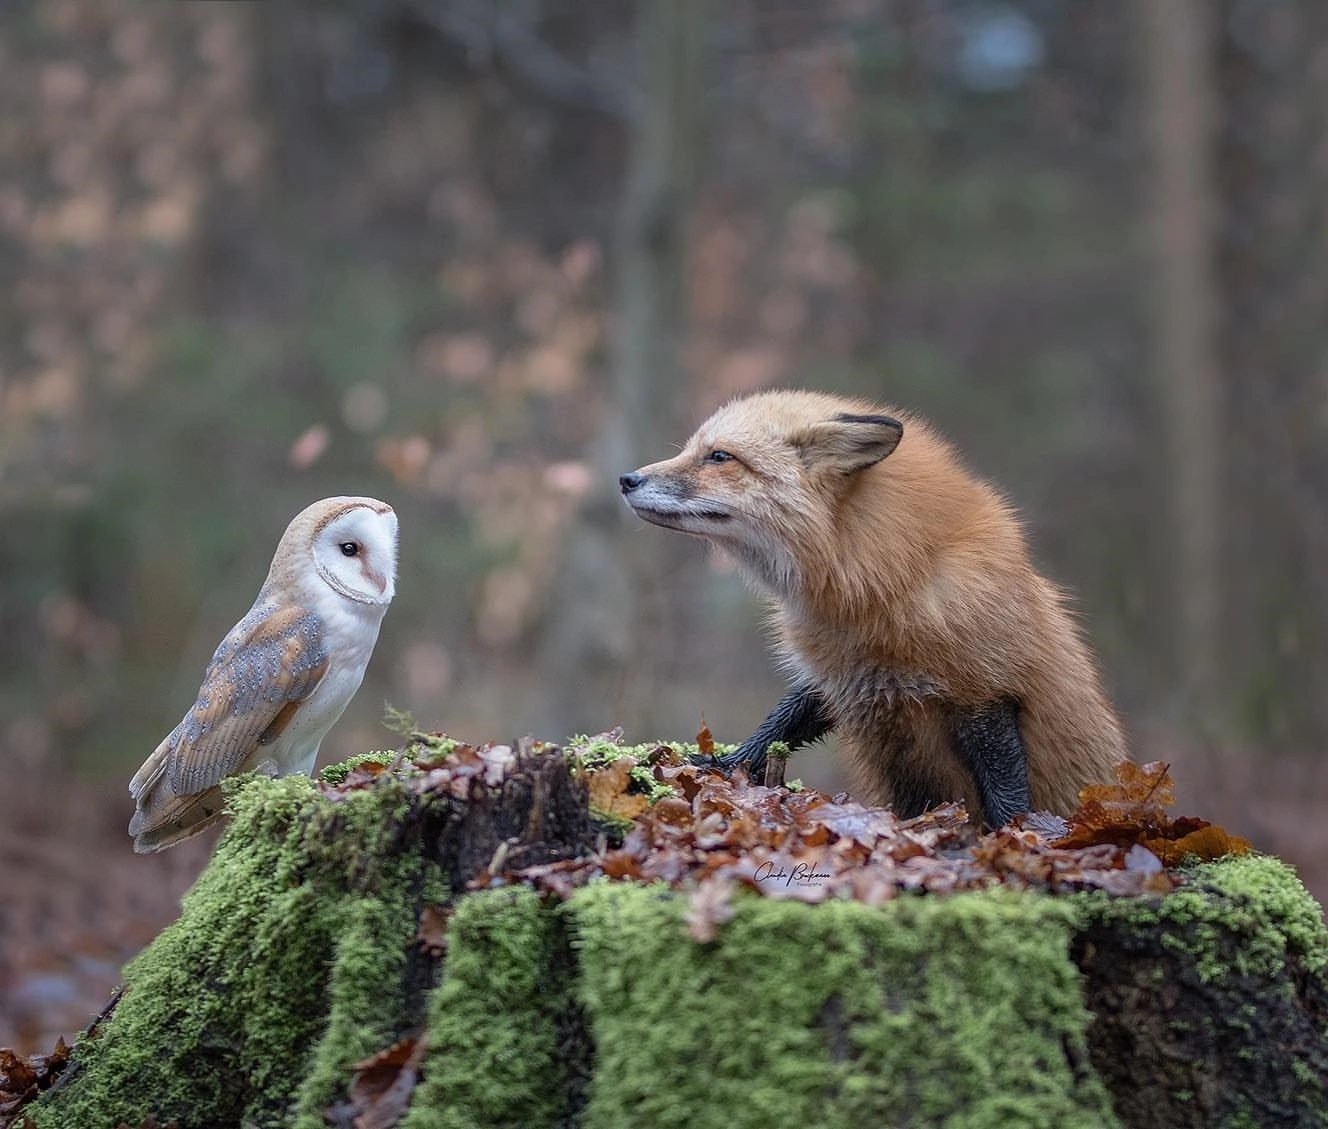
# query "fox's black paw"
(753, 763)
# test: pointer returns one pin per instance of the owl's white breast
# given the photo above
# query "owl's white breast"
(350, 631)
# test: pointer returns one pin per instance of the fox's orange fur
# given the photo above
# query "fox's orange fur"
(901, 587)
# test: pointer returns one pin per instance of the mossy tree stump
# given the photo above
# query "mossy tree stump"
(299, 953)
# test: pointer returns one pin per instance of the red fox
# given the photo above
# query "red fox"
(906, 607)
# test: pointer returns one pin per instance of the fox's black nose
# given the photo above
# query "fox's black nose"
(629, 482)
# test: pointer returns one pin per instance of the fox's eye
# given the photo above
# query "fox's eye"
(719, 457)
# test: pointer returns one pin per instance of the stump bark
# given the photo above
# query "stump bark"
(333, 923)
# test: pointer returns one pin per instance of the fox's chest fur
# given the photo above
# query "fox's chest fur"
(891, 714)
(861, 678)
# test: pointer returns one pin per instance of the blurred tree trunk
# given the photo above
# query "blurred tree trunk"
(1236, 106)
(1272, 167)
(1179, 107)
(605, 641)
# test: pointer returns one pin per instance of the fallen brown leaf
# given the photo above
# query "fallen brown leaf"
(609, 790)
(709, 906)
(431, 935)
(705, 740)
(380, 1091)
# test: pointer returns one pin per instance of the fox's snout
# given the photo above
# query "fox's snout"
(630, 481)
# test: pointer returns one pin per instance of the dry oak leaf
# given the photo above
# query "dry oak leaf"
(22, 1079)
(380, 1093)
(1207, 843)
(705, 740)
(608, 790)
(1133, 811)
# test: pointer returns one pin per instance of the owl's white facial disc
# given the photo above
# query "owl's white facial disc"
(355, 551)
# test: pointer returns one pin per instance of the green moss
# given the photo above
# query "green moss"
(1243, 915)
(337, 773)
(1266, 894)
(598, 751)
(284, 967)
(961, 1011)
(366, 997)
(613, 827)
(644, 780)
(438, 744)
(496, 1056)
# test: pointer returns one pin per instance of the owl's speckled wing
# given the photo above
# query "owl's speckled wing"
(269, 663)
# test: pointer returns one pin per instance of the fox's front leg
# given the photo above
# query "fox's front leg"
(799, 719)
(988, 740)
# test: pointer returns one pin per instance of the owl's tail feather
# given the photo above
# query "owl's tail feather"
(164, 819)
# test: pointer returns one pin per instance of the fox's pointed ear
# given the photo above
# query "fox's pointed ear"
(848, 443)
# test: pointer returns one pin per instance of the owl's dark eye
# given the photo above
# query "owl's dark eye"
(718, 457)
(350, 548)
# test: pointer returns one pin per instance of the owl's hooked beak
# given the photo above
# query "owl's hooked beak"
(379, 581)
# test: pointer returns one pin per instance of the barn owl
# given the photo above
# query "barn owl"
(284, 673)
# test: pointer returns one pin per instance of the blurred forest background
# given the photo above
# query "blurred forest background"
(477, 257)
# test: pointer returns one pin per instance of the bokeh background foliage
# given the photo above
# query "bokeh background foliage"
(477, 257)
